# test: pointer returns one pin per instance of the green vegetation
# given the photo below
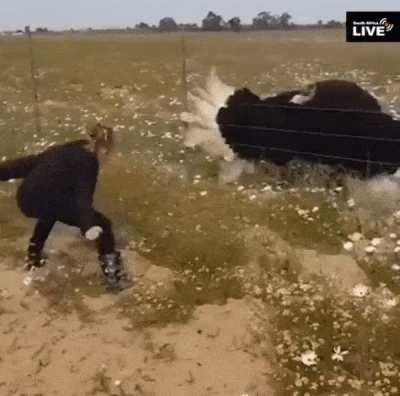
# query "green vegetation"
(167, 204)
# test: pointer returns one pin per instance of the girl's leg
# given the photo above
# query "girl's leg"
(110, 259)
(36, 244)
(106, 240)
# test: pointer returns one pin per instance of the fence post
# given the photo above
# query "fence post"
(184, 71)
(35, 96)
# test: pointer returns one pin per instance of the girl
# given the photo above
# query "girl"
(59, 185)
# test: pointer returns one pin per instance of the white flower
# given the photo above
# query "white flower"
(390, 302)
(309, 358)
(360, 290)
(348, 246)
(393, 236)
(338, 354)
(388, 369)
(355, 237)
(167, 135)
(257, 291)
(376, 242)
(302, 212)
(396, 267)
(370, 249)
(351, 203)
(203, 193)
(27, 280)
(305, 287)
(385, 318)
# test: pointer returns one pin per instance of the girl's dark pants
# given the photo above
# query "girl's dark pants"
(105, 242)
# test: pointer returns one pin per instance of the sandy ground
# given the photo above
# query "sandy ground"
(45, 352)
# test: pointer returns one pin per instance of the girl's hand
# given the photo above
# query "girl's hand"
(93, 233)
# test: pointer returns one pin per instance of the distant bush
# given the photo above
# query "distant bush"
(168, 24)
(213, 22)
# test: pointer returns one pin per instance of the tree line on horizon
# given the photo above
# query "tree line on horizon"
(215, 23)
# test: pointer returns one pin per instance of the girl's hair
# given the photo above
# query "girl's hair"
(101, 137)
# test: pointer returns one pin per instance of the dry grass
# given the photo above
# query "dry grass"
(132, 82)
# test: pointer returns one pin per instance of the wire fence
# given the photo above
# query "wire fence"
(313, 108)
(348, 137)
(313, 133)
(237, 142)
(318, 155)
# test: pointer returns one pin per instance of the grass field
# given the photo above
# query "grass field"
(167, 203)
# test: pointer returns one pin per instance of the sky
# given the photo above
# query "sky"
(61, 14)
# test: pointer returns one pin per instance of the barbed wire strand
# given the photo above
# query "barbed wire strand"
(311, 153)
(312, 133)
(312, 108)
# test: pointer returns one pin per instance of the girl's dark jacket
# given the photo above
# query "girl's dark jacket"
(58, 184)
